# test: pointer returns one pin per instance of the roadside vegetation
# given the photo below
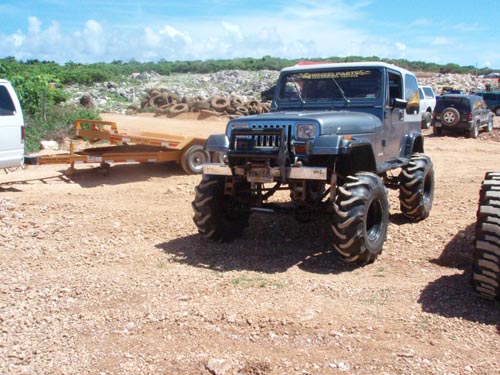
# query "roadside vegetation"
(40, 84)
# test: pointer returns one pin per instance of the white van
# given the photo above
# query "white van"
(11, 127)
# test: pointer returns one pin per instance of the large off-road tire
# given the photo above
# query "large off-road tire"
(486, 268)
(219, 217)
(426, 120)
(361, 218)
(450, 116)
(193, 158)
(416, 188)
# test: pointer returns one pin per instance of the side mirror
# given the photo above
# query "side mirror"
(398, 103)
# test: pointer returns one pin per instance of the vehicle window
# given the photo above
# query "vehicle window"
(461, 103)
(7, 107)
(315, 86)
(395, 87)
(411, 94)
(428, 92)
(476, 104)
(421, 94)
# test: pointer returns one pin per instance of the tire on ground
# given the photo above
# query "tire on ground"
(179, 108)
(486, 266)
(220, 103)
(416, 188)
(361, 218)
(193, 158)
(217, 216)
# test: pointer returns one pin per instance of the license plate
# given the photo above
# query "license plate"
(261, 175)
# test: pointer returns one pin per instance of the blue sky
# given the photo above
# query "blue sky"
(441, 31)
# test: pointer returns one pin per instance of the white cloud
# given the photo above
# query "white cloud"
(34, 25)
(441, 41)
(400, 46)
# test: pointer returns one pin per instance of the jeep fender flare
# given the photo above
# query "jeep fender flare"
(217, 143)
(411, 143)
(358, 151)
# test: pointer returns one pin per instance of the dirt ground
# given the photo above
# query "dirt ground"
(106, 274)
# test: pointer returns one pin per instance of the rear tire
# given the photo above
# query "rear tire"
(218, 216)
(361, 218)
(474, 131)
(416, 188)
(437, 131)
(489, 127)
(486, 267)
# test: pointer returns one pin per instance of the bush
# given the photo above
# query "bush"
(58, 124)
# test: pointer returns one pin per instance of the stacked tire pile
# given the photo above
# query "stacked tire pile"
(171, 105)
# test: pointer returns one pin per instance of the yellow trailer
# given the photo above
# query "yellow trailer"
(125, 148)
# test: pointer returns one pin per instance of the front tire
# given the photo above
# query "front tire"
(361, 218)
(486, 268)
(416, 188)
(218, 216)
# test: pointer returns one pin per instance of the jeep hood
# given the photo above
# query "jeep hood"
(331, 122)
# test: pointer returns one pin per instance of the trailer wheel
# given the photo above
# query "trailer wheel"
(361, 218)
(193, 158)
(219, 217)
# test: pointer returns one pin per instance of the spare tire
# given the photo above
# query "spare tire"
(450, 116)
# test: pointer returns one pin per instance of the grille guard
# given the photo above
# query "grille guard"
(259, 145)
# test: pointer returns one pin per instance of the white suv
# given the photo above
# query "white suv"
(11, 127)
(427, 104)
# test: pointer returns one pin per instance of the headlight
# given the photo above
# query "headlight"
(306, 131)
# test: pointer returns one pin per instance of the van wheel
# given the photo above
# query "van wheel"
(426, 120)
(497, 111)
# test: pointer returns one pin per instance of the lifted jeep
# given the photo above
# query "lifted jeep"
(337, 136)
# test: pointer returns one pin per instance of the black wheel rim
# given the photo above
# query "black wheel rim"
(427, 189)
(374, 220)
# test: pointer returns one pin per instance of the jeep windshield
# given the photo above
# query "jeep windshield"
(329, 88)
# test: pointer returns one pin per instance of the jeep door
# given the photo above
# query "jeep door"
(393, 117)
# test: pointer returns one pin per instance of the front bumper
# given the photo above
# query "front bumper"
(270, 173)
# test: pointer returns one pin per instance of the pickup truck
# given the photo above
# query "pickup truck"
(11, 127)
